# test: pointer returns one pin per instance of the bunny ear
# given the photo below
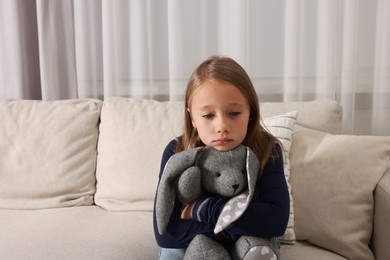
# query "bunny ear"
(237, 205)
(166, 191)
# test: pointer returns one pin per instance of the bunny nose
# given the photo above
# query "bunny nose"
(235, 186)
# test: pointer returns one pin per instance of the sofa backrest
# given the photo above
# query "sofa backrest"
(49, 149)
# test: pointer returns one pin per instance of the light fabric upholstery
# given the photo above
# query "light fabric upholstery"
(48, 153)
(133, 135)
(76, 233)
(302, 250)
(282, 128)
(323, 115)
(381, 217)
(333, 178)
(90, 232)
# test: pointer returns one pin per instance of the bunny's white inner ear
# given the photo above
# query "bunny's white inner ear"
(236, 206)
(252, 167)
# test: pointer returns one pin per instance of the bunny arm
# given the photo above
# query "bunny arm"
(189, 185)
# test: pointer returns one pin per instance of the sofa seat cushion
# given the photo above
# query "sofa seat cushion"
(90, 232)
(75, 233)
(48, 153)
(303, 250)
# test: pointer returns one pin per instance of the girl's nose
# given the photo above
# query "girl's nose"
(222, 126)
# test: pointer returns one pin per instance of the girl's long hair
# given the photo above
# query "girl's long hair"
(227, 70)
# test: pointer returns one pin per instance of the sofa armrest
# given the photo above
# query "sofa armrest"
(381, 234)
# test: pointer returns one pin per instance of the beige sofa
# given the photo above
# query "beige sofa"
(78, 177)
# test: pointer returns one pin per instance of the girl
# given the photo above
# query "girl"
(222, 111)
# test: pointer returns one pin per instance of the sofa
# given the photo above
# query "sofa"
(78, 179)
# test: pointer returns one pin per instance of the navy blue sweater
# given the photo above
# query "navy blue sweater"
(266, 216)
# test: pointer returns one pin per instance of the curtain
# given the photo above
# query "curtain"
(295, 50)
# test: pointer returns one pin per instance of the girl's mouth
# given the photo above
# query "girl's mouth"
(223, 141)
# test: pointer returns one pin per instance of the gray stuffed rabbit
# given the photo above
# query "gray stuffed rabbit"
(231, 174)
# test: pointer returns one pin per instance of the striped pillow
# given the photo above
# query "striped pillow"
(281, 127)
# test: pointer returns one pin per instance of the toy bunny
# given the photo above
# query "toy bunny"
(231, 174)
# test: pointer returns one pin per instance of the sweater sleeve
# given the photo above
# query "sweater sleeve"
(179, 232)
(267, 214)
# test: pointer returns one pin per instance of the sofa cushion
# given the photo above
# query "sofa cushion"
(381, 233)
(48, 153)
(304, 250)
(333, 178)
(323, 115)
(80, 233)
(76, 233)
(282, 127)
(133, 135)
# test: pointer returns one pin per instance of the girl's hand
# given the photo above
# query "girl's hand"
(187, 211)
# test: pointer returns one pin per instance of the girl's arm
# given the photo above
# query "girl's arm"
(268, 213)
(179, 232)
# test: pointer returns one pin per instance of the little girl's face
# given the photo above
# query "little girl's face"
(220, 113)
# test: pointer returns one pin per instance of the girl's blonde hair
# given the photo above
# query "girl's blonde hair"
(227, 70)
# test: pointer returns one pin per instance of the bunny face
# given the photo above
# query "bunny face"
(224, 173)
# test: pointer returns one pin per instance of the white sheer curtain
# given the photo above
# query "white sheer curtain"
(294, 50)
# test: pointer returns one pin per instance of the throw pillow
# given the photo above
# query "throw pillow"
(282, 128)
(333, 178)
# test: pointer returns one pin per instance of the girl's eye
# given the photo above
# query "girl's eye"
(217, 174)
(234, 113)
(208, 116)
